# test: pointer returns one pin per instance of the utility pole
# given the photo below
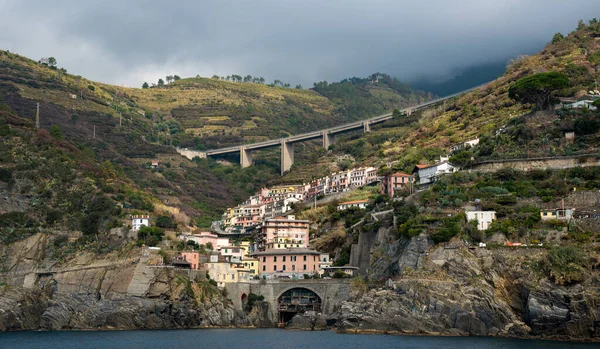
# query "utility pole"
(94, 134)
(37, 116)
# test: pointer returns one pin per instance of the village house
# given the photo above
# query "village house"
(138, 221)
(324, 262)
(290, 262)
(232, 254)
(204, 238)
(429, 174)
(484, 218)
(560, 214)
(360, 204)
(283, 232)
(195, 259)
(468, 144)
(225, 272)
(391, 184)
(350, 271)
(253, 265)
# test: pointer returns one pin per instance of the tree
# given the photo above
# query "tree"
(209, 246)
(216, 77)
(56, 132)
(52, 62)
(298, 87)
(150, 236)
(161, 82)
(557, 37)
(176, 77)
(166, 222)
(169, 78)
(145, 85)
(538, 88)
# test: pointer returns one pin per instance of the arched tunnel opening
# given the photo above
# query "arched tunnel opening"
(296, 301)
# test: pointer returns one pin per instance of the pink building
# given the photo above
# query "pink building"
(195, 259)
(391, 184)
(203, 238)
(371, 173)
(280, 232)
(288, 262)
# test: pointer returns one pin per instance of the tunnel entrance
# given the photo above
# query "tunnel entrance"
(295, 301)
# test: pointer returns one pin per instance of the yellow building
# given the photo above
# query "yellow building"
(246, 246)
(253, 265)
(225, 272)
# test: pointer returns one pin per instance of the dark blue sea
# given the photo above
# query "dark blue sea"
(260, 339)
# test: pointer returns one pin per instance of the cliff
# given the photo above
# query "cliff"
(457, 289)
(109, 292)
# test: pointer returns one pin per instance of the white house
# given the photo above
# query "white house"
(431, 173)
(139, 221)
(361, 204)
(484, 218)
(581, 104)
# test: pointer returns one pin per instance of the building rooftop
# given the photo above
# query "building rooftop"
(342, 267)
(402, 174)
(286, 251)
(353, 202)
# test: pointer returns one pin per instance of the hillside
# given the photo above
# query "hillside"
(424, 136)
(130, 128)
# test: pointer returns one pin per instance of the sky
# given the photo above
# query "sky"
(127, 42)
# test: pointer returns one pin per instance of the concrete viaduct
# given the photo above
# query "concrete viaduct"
(287, 144)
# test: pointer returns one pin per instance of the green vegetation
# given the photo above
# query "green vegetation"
(150, 236)
(567, 265)
(538, 88)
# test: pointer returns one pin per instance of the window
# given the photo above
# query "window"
(264, 268)
(314, 258)
(284, 258)
(275, 259)
(304, 266)
(264, 259)
(284, 267)
(305, 258)
(274, 268)
(293, 267)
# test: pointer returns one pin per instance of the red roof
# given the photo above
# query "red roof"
(423, 166)
(400, 174)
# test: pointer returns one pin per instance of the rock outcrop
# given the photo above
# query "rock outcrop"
(461, 291)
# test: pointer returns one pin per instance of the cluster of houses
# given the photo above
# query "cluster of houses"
(280, 250)
(277, 201)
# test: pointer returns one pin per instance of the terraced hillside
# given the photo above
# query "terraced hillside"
(131, 127)
(486, 111)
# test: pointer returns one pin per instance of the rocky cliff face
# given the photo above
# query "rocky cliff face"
(460, 291)
(115, 291)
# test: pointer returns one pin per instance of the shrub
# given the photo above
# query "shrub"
(339, 274)
(150, 236)
(567, 265)
(56, 132)
(166, 222)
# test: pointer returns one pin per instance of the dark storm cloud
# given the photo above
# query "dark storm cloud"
(128, 42)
